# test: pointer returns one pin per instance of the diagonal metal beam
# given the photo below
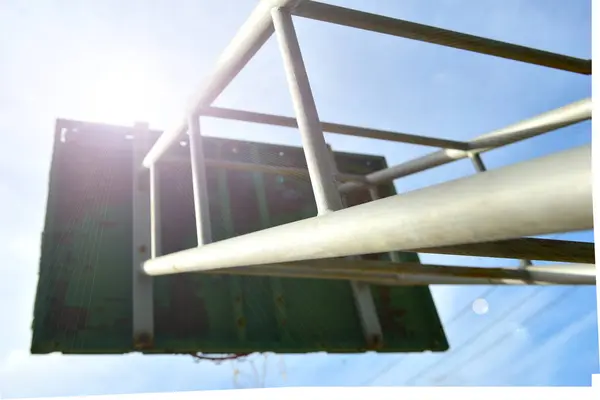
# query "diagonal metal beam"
(319, 158)
(289, 122)
(424, 33)
(524, 248)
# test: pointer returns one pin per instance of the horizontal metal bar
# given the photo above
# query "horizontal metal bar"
(289, 122)
(390, 273)
(524, 248)
(424, 33)
(509, 202)
(247, 41)
(301, 173)
(273, 169)
(543, 123)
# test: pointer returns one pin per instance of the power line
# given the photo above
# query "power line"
(548, 307)
(452, 320)
(477, 335)
(557, 341)
(465, 310)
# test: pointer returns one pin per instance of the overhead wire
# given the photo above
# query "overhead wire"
(478, 335)
(543, 310)
(457, 316)
(451, 321)
(556, 343)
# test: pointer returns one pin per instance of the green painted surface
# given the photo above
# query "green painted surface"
(84, 296)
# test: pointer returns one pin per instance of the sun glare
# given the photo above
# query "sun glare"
(118, 92)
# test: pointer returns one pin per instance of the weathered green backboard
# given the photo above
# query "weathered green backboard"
(84, 295)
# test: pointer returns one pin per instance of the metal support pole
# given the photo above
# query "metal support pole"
(596, 179)
(341, 129)
(201, 206)
(523, 248)
(525, 263)
(315, 149)
(407, 273)
(155, 226)
(510, 202)
(410, 30)
(145, 240)
(477, 162)
(543, 123)
(363, 296)
(318, 157)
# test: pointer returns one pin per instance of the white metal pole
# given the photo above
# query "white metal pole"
(430, 34)
(319, 158)
(407, 273)
(280, 120)
(155, 225)
(317, 155)
(146, 239)
(201, 206)
(523, 248)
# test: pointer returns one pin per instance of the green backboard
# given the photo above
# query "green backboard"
(84, 295)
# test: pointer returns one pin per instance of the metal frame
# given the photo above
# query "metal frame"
(479, 208)
(484, 214)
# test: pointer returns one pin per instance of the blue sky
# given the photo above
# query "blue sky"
(118, 62)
